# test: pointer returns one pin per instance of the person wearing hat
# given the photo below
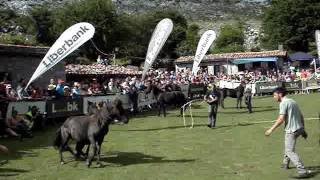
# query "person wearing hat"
(66, 91)
(75, 92)
(51, 88)
(211, 98)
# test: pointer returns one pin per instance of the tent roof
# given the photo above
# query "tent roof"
(301, 56)
(250, 60)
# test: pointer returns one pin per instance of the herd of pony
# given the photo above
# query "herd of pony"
(89, 130)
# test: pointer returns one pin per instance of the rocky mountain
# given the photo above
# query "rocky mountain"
(193, 9)
(207, 13)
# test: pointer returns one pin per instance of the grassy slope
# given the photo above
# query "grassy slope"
(161, 148)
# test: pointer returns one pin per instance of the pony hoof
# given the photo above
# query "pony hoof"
(62, 163)
(99, 165)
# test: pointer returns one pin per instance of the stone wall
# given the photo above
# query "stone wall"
(21, 62)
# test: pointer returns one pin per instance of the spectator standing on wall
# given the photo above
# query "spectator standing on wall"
(125, 87)
(52, 84)
(36, 93)
(75, 92)
(111, 86)
(60, 87)
(51, 90)
(95, 86)
(139, 85)
(22, 93)
(66, 91)
(11, 93)
(133, 96)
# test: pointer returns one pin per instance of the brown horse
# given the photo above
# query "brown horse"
(89, 130)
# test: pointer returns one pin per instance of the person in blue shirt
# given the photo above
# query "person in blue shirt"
(60, 87)
(211, 98)
(75, 92)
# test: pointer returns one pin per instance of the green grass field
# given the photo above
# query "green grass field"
(152, 147)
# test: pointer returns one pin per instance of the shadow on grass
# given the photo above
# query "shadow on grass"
(200, 116)
(157, 129)
(264, 107)
(7, 172)
(254, 111)
(26, 148)
(262, 97)
(196, 125)
(133, 158)
(197, 106)
(244, 107)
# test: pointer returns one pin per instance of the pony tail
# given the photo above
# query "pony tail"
(58, 140)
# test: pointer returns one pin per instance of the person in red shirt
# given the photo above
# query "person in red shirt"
(95, 86)
(304, 74)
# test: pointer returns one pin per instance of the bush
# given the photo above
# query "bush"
(121, 61)
(17, 39)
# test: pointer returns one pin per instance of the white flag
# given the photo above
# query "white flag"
(69, 40)
(203, 46)
(159, 37)
(318, 42)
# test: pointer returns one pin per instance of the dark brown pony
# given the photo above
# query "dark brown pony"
(164, 98)
(89, 130)
(237, 93)
(233, 93)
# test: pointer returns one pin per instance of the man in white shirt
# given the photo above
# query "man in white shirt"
(294, 127)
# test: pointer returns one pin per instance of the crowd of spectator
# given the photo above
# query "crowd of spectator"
(101, 69)
(131, 85)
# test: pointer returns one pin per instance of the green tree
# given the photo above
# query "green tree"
(130, 33)
(15, 27)
(291, 23)
(6, 15)
(41, 18)
(230, 39)
(188, 47)
(100, 13)
(139, 29)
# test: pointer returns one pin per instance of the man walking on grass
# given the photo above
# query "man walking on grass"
(212, 99)
(294, 127)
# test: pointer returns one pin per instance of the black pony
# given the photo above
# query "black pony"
(233, 93)
(164, 98)
(89, 130)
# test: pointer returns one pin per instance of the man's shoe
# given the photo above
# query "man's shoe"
(285, 166)
(307, 174)
(211, 126)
